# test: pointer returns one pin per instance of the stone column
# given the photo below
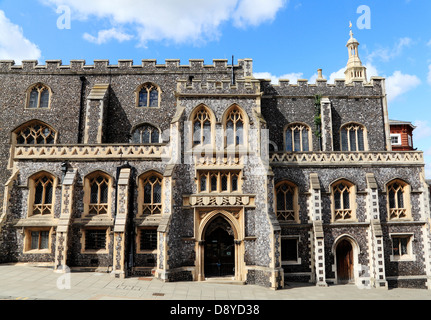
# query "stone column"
(426, 229)
(377, 272)
(318, 252)
(95, 114)
(118, 269)
(61, 246)
(327, 134)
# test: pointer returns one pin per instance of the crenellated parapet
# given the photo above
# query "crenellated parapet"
(375, 87)
(218, 87)
(127, 65)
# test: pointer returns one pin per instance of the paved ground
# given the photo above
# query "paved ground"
(36, 283)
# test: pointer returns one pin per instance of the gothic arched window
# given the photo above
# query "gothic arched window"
(149, 96)
(235, 126)
(286, 194)
(353, 138)
(35, 133)
(202, 127)
(398, 193)
(41, 194)
(151, 194)
(343, 201)
(146, 134)
(297, 138)
(38, 97)
(98, 186)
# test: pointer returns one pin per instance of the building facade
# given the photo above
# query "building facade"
(192, 172)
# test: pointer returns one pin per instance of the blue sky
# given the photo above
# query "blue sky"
(285, 38)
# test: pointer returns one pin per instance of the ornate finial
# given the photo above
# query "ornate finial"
(351, 32)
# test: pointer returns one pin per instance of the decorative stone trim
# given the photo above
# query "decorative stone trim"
(90, 152)
(219, 201)
(347, 158)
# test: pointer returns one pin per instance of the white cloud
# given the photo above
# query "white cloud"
(13, 44)
(106, 35)
(177, 21)
(292, 77)
(387, 54)
(337, 75)
(429, 75)
(423, 130)
(254, 12)
(399, 83)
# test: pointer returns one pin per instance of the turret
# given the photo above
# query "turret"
(355, 70)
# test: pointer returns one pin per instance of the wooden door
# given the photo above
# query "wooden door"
(219, 254)
(345, 262)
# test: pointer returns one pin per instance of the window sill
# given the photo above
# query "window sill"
(408, 258)
(291, 263)
(37, 251)
(100, 251)
(147, 251)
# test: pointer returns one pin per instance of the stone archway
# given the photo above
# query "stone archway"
(220, 246)
(345, 262)
(219, 251)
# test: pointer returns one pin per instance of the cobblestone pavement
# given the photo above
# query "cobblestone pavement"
(21, 282)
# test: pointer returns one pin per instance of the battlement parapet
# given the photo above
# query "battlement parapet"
(339, 88)
(219, 87)
(125, 65)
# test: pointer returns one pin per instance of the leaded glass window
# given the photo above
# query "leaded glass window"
(39, 97)
(297, 138)
(39, 240)
(235, 128)
(35, 133)
(99, 195)
(146, 134)
(152, 194)
(148, 239)
(285, 201)
(43, 195)
(218, 181)
(353, 138)
(95, 239)
(148, 96)
(397, 204)
(202, 127)
(342, 201)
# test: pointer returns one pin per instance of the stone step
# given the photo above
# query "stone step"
(224, 280)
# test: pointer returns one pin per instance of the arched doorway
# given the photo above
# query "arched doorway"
(219, 257)
(345, 262)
